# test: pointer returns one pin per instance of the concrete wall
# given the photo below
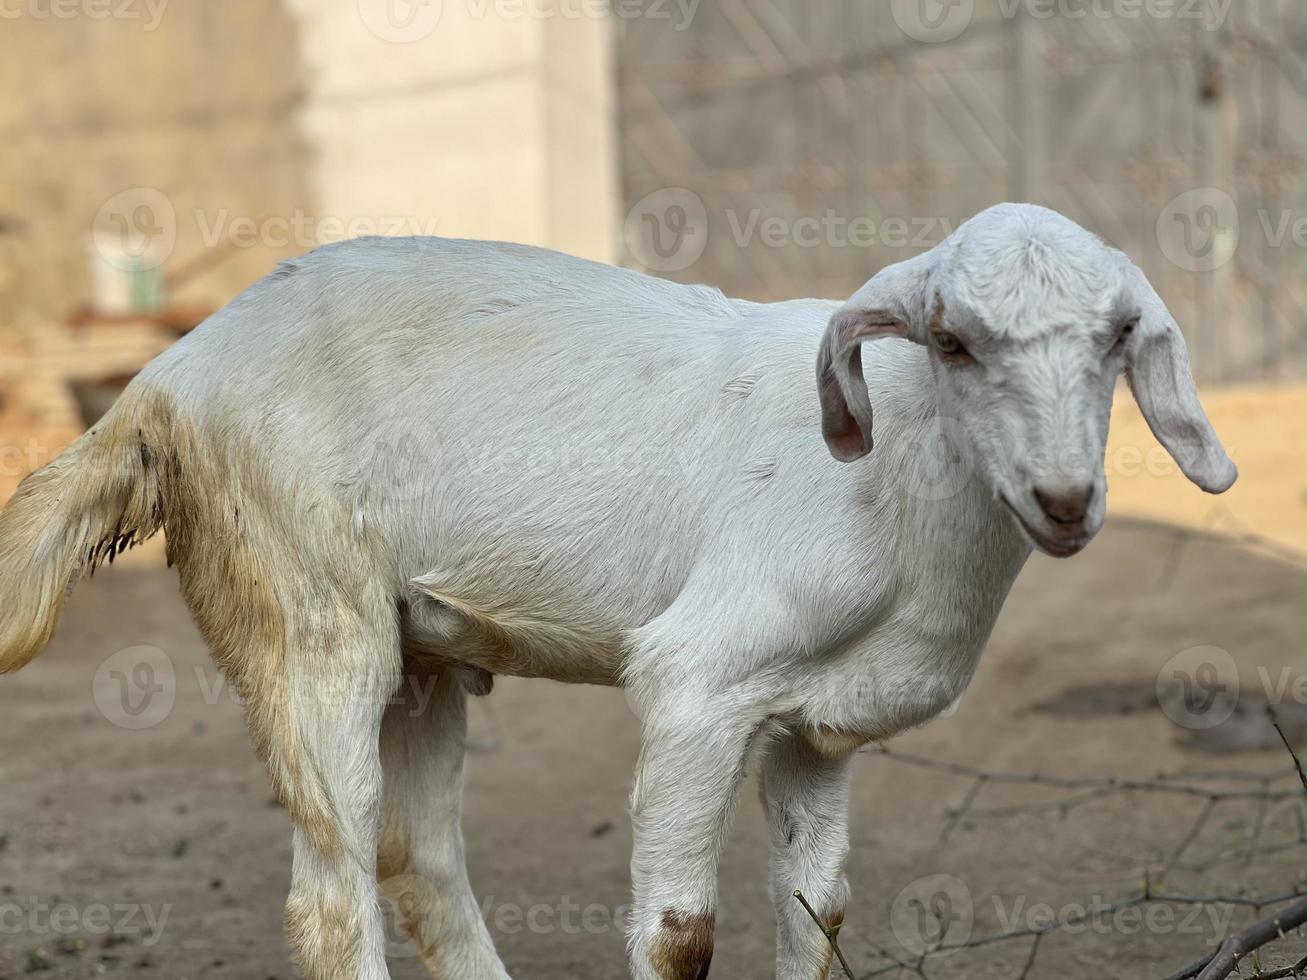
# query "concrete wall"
(200, 108)
(479, 123)
(233, 134)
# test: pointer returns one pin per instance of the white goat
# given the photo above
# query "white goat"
(460, 459)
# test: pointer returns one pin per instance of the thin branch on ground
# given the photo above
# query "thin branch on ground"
(1298, 969)
(957, 813)
(1030, 960)
(1194, 830)
(1226, 959)
(830, 934)
(1165, 783)
(1205, 786)
(1275, 723)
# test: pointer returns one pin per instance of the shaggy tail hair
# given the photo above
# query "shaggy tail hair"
(99, 497)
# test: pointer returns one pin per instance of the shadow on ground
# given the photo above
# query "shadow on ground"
(160, 852)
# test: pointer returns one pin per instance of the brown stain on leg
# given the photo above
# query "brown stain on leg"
(415, 899)
(395, 853)
(683, 947)
(412, 897)
(324, 939)
(833, 921)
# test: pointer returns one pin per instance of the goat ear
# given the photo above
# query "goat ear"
(887, 306)
(845, 404)
(1157, 368)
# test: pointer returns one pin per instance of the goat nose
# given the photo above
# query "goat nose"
(1066, 503)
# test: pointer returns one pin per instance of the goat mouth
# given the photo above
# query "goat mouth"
(1053, 546)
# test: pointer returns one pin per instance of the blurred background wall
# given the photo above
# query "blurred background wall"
(865, 131)
(199, 102)
(160, 155)
(215, 138)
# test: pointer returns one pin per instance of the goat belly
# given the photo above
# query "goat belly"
(499, 638)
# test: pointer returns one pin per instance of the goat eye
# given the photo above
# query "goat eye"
(948, 344)
(1126, 330)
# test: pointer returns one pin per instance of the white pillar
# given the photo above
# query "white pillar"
(463, 118)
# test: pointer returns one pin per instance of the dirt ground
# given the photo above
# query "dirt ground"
(158, 851)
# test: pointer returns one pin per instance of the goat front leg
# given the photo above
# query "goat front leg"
(691, 764)
(806, 795)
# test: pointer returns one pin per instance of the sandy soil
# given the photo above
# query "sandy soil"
(159, 852)
(1261, 428)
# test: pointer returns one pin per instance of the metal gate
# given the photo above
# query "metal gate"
(780, 148)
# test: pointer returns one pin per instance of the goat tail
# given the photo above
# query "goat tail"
(101, 495)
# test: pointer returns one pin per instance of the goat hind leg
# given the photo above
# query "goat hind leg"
(420, 864)
(315, 714)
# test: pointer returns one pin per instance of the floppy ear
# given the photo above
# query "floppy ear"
(1157, 367)
(892, 304)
